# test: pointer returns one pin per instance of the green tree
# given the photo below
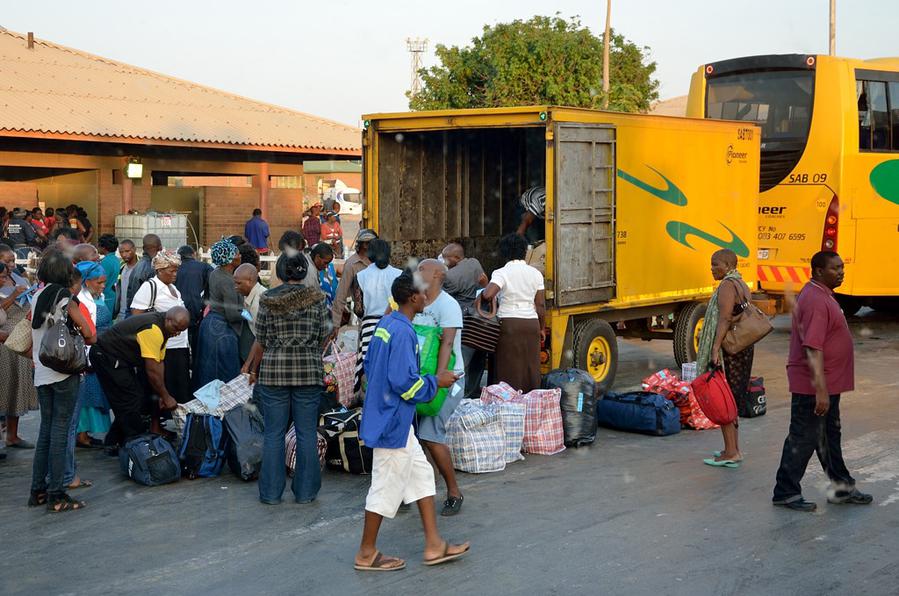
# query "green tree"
(546, 60)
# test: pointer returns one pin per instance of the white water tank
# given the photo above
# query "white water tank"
(170, 227)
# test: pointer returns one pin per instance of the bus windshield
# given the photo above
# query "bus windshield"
(780, 102)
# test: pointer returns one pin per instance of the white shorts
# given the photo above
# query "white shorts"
(399, 476)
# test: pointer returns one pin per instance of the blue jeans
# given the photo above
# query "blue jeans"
(71, 464)
(280, 406)
(57, 403)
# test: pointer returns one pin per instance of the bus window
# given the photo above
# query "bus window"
(880, 115)
(894, 104)
(864, 116)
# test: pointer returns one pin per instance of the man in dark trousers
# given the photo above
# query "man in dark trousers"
(192, 281)
(820, 367)
(129, 362)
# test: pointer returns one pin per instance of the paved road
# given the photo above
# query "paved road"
(629, 515)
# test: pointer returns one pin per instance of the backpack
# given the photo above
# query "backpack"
(149, 460)
(754, 402)
(245, 433)
(715, 397)
(203, 446)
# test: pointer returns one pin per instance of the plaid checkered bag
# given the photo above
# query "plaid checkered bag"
(476, 439)
(543, 431)
(235, 392)
(499, 393)
(512, 417)
(340, 369)
(290, 450)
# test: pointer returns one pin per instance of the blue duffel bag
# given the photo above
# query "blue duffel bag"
(639, 412)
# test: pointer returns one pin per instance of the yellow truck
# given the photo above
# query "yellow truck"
(635, 206)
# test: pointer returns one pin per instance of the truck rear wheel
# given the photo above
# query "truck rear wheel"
(687, 329)
(595, 350)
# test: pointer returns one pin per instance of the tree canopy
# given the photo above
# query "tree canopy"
(545, 60)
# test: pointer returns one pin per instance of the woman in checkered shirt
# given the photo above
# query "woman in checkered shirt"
(291, 328)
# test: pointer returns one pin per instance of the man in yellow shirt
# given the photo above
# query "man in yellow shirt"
(129, 362)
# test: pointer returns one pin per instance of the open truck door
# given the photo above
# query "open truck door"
(583, 210)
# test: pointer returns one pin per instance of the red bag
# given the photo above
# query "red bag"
(715, 397)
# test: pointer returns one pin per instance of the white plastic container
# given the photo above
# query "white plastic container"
(688, 371)
(170, 227)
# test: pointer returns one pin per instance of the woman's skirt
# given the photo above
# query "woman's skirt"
(18, 394)
(177, 374)
(518, 353)
(366, 331)
(218, 356)
(94, 417)
(738, 371)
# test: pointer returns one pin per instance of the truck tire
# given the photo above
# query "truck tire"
(850, 304)
(595, 349)
(686, 332)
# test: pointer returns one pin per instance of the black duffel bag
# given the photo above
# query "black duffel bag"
(245, 427)
(578, 404)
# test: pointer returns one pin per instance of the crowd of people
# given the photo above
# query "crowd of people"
(160, 325)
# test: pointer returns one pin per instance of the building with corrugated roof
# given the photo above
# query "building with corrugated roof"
(71, 121)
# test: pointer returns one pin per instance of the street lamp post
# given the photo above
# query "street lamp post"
(605, 56)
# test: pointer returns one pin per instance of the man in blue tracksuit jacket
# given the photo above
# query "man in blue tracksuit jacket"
(400, 471)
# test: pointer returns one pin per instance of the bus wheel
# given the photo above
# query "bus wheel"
(595, 350)
(687, 329)
(850, 304)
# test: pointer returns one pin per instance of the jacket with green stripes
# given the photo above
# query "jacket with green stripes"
(395, 384)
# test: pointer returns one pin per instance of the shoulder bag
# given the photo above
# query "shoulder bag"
(480, 330)
(19, 339)
(747, 328)
(62, 349)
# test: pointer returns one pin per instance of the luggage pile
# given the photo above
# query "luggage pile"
(667, 384)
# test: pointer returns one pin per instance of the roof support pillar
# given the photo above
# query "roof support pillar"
(263, 189)
(127, 188)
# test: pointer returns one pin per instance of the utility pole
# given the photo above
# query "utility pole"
(605, 55)
(833, 27)
(417, 47)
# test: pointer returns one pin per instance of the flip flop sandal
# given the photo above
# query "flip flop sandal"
(724, 463)
(446, 558)
(81, 484)
(64, 503)
(22, 444)
(380, 563)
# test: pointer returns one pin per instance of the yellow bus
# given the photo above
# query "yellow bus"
(829, 173)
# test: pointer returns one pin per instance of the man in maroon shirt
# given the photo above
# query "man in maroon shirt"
(819, 368)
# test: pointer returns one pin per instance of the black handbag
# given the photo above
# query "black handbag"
(62, 349)
(480, 330)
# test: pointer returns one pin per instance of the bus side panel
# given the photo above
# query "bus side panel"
(684, 191)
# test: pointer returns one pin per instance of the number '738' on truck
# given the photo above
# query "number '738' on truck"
(635, 207)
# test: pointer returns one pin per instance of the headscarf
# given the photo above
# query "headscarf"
(89, 270)
(534, 201)
(710, 326)
(223, 252)
(165, 259)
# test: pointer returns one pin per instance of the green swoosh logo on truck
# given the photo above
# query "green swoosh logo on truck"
(672, 194)
(679, 231)
(885, 180)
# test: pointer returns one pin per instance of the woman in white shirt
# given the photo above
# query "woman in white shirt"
(371, 297)
(521, 314)
(159, 294)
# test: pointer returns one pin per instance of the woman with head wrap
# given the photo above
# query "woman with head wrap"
(93, 415)
(159, 294)
(532, 213)
(218, 355)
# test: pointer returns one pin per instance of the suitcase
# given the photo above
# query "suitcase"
(639, 412)
(578, 404)
(756, 401)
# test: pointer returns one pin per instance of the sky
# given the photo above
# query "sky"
(340, 59)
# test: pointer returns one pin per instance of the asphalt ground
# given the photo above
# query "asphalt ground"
(629, 515)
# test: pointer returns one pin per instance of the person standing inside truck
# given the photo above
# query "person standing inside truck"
(531, 213)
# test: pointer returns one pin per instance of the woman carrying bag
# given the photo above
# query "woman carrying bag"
(728, 303)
